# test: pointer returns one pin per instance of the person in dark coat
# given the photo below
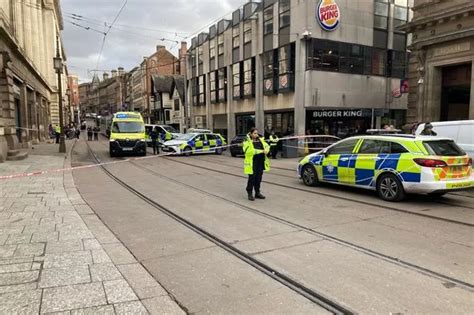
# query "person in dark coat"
(96, 133)
(89, 133)
(428, 130)
(154, 135)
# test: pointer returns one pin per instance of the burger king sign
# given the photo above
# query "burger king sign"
(328, 14)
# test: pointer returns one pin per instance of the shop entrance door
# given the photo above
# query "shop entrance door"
(455, 92)
(243, 124)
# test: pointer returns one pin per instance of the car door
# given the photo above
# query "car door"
(199, 143)
(373, 156)
(210, 143)
(336, 163)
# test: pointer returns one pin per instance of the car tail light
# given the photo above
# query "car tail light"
(430, 162)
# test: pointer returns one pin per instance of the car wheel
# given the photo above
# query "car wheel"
(219, 151)
(309, 175)
(389, 188)
(187, 151)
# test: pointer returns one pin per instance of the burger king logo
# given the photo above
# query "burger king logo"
(328, 14)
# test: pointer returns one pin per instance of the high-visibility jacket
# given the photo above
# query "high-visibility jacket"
(57, 129)
(274, 140)
(250, 151)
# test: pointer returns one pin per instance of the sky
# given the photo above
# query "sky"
(141, 26)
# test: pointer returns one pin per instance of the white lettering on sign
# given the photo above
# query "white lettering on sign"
(337, 114)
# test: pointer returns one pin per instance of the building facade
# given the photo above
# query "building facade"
(168, 96)
(441, 72)
(29, 37)
(73, 92)
(296, 67)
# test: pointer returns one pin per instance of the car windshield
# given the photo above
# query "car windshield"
(186, 136)
(443, 148)
(170, 129)
(127, 127)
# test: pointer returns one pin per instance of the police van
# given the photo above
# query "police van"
(127, 134)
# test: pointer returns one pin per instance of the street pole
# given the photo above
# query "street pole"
(58, 66)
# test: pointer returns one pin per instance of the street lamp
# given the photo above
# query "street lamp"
(58, 66)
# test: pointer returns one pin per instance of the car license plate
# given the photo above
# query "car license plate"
(128, 149)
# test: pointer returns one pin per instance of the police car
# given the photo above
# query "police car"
(190, 143)
(393, 165)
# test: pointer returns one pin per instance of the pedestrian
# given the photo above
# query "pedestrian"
(89, 133)
(273, 144)
(154, 140)
(428, 130)
(57, 133)
(256, 162)
(96, 133)
(78, 133)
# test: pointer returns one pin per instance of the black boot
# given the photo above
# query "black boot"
(250, 196)
(259, 196)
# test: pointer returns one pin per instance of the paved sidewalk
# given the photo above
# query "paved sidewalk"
(57, 256)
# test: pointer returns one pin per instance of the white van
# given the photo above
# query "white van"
(462, 132)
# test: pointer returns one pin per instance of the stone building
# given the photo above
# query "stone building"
(327, 66)
(441, 75)
(73, 92)
(168, 95)
(28, 82)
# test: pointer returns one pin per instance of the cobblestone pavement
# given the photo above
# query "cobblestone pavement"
(57, 256)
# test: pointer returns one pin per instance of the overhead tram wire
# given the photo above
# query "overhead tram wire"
(108, 31)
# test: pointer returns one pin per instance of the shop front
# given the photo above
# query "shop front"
(282, 122)
(344, 123)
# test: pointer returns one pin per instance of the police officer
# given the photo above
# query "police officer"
(154, 140)
(273, 144)
(428, 130)
(57, 133)
(256, 162)
(96, 133)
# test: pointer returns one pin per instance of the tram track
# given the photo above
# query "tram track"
(293, 177)
(327, 194)
(313, 296)
(447, 280)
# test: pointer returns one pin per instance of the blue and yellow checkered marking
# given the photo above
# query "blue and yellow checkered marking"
(362, 169)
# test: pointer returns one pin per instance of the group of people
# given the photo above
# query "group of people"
(70, 131)
(93, 133)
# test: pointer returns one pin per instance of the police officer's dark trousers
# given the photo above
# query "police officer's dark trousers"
(154, 145)
(255, 179)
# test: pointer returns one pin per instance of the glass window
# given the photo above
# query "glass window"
(128, 127)
(248, 77)
(268, 65)
(220, 44)
(381, 22)
(380, 39)
(236, 80)
(284, 11)
(398, 64)
(202, 90)
(222, 85)
(268, 20)
(352, 58)
(235, 37)
(381, 9)
(344, 147)
(247, 31)
(443, 148)
(325, 55)
(403, 3)
(212, 49)
(371, 147)
(400, 13)
(399, 41)
(213, 86)
(200, 54)
(379, 61)
(176, 104)
(396, 148)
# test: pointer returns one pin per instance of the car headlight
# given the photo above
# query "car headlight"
(112, 140)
